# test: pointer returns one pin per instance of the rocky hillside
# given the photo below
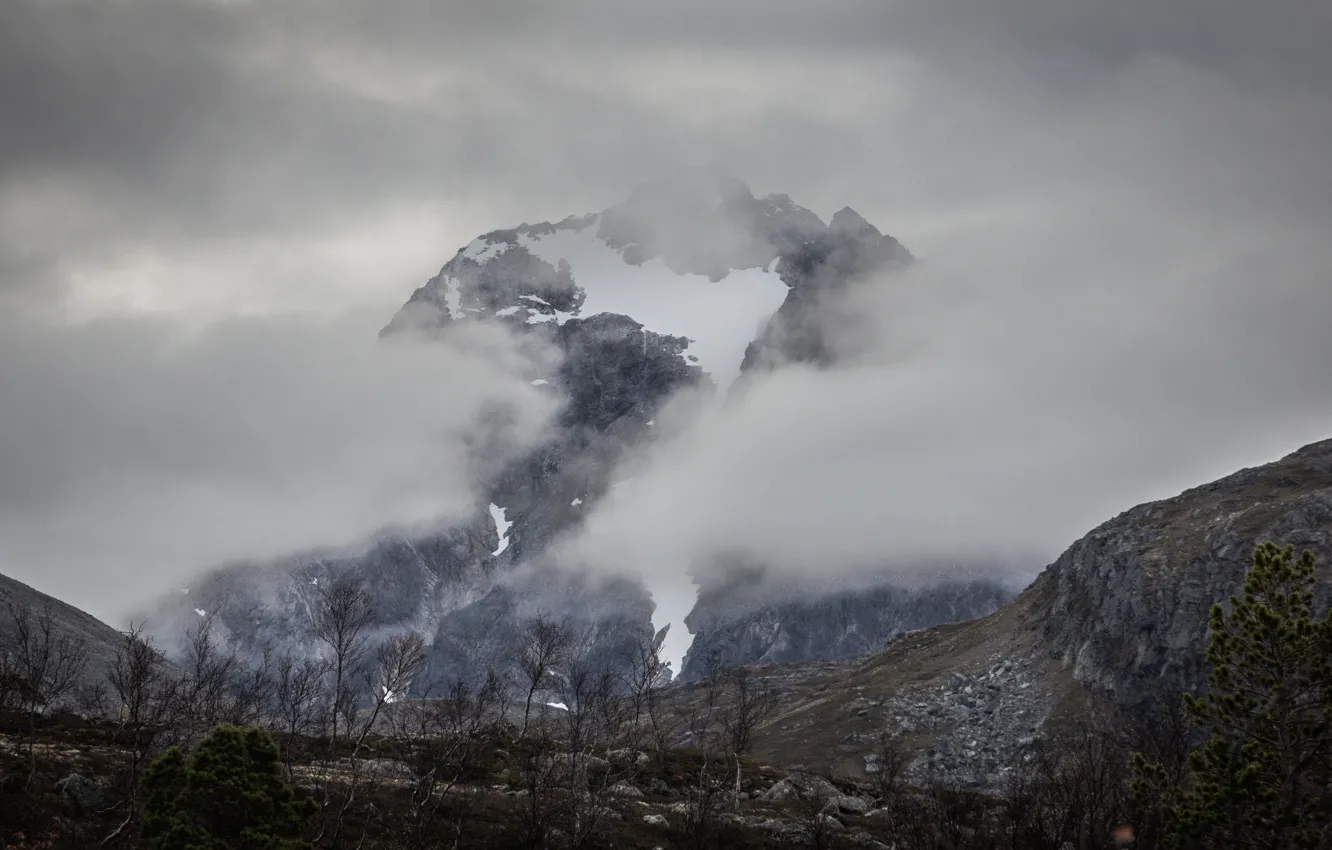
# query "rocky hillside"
(1120, 619)
(68, 624)
(686, 283)
(1128, 603)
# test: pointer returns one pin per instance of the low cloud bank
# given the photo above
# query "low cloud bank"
(135, 452)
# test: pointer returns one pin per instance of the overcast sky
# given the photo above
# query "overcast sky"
(208, 206)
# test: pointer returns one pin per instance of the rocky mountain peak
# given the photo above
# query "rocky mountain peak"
(660, 292)
(848, 221)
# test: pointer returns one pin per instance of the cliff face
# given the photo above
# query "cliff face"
(731, 626)
(1126, 606)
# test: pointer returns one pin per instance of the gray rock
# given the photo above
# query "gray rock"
(799, 786)
(848, 804)
(626, 790)
(81, 794)
(624, 758)
(656, 820)
(742, 620)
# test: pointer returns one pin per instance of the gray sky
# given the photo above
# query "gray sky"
(1122, 208)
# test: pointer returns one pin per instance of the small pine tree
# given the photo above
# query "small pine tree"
(229, 795)
(1261, 778)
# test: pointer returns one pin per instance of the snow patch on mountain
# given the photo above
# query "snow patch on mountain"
(502, 525)
(453, 296)
(718, 317)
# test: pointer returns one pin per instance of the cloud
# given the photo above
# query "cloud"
(1121, 208)
(135, 453)
(1121, 296)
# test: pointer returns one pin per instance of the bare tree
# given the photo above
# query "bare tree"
(341, 619)
(543, 645)
(251, 692)
(1075, 791)
(539, 769)
(890, 760)
(748, 703)
(298, 693)
(398, 661)
(702, 805)
(442, 741)
(598, 718)
(147, 689)
(39, 667)
(1163, 734)
(650, 673)
(204, 689)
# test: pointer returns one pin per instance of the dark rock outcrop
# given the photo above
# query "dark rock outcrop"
(816, 624)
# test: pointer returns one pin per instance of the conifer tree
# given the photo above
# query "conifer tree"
(229, 794)
(1261, 778)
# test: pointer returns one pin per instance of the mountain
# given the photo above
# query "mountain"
(689, 282)
(1118, 622)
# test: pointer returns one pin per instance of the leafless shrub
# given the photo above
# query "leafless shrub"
(39, 667)
(442, 741)
(298, 696)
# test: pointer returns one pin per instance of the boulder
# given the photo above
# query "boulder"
(847, 804)
(626, 790)
(81, 794)
(800, 786)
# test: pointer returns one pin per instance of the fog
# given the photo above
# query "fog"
(136, 453)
